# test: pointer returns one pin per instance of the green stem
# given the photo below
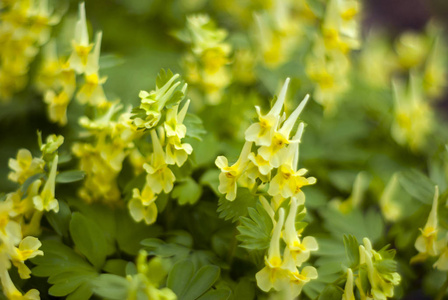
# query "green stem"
(442, 290)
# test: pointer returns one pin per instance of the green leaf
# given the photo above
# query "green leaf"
(83, 292)
(195, 128)
(218, 294)
(70, 176)
(129, 234)
(190, 285)
(90, 240)
(108, 286)
(331, 292)
(67, 271)
(179, 277)
(30, 180)
(116, 266)
(163, 77)
(188, 191)
(418, 185)
(351, 250)
(211, 179)
(174, 99)
(201, 282)
(255, 230)
(60, 221)
(237, 208)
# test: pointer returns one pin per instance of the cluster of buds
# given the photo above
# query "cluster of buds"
(21, 212)
(167, 147)
(271, 171)
(205, 64)
(327, 65)
(25, 27)
(56, 78)
(145, 284)
(381, 281)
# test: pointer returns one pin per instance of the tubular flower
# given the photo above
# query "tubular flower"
(288, 181)
(280, 139)
(24, 166)
(46, 199)
(80, 44)
(57, 106)
(262, 132)
(274, 274)
(300, 251)
(426, 243)
(413, 116)
(299, 278)
(159, 177)
(390, 209)
(230, 174)
(348, 290)
(92, 90)
(28, 248)
(142, 205)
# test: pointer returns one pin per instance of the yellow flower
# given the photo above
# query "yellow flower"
(92, 90)
(299, 279)
(230, 174)
(142, 205)
(275, 274)
(280, 138)
(57, 106)
(300, 250)
(159, 177)
(28, 248)
(262, 132)
(442, 262)
(390, 209)
(11, 292)
(81, 47)
(174, 121)
(348, 290)
(46, 200)
(176, 152)
(413, 116)
(24, 166)
(426, 243)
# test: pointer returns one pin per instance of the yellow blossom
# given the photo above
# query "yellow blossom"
(24, 166)
(262, 132)
(80, 44)
(57, 106)
(142, 205)
(426, 243)
(46, 199)
(28, 248)
(348, 290)
(159, 177)
(300, 250)
(230, 174)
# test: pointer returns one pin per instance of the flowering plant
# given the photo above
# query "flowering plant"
(160, 170)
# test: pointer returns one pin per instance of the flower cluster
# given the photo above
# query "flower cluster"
(205, 63)
(271, 171)
(373, 281)
(145, 283)
(328, 63)
(56, 78)
(113, 136)
(21, 212)
(25, 27)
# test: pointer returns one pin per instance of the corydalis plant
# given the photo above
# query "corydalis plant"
(270, 173)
